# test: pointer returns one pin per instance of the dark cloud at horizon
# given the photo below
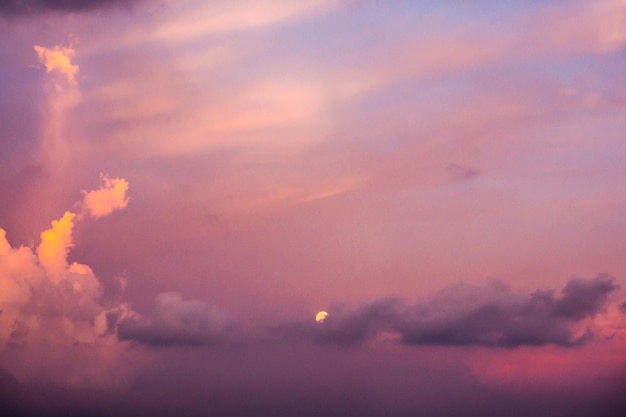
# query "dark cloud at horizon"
(160, 397)
(491, 316)
(35, 7)
(344, 326)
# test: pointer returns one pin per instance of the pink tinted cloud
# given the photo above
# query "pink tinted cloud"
(469, 315)
(206, 19)
(49, 306)
(592, 367)
(178, 322)
(55, 244)
(111, 196)
(58, 59)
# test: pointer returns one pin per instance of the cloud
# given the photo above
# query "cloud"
(51, 309)
(34, 7)
(177, 322)
(460, 172)
(463, 315)
(62, 95)
(58, 59)
(584, 298)
(111, 196)
(48, 309)
(55, 244)
(56, 241)
(346, 326)
(5, 246)
(219, 16)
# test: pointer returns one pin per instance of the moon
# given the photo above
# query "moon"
(321, 316)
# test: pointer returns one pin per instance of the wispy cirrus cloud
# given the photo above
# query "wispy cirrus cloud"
(208, 18)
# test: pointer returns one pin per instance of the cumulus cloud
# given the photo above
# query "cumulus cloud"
(491, 316)
(58, 59)
(34, 7)
(111, 196)
(49, 307)
(55, 244)
(177, 322)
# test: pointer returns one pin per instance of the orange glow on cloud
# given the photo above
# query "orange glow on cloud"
(287, 150)
(112, 196)
(5, 247)
(46, 302)
(55, 243)
(58, 59)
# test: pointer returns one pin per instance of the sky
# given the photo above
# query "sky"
(185, 185)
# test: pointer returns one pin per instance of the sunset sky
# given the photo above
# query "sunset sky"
(184, 185)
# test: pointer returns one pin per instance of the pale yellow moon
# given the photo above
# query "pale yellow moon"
(321, 316)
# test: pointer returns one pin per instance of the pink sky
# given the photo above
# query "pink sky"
(184, 186)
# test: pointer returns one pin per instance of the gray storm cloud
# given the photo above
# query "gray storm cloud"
(177, 322)
(34, 7)
(464, 315)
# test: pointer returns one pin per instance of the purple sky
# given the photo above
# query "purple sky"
(184, 185)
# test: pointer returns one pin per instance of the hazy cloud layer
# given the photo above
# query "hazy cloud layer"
(33, 7)
(464, 315)
(177, 322)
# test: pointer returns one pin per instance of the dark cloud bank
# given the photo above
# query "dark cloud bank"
(490, 316)
(34, 7)
(315, 377)
(177, 322)
(325, 391)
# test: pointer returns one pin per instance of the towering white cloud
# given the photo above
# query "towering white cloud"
(51, 309)
(55, 244)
